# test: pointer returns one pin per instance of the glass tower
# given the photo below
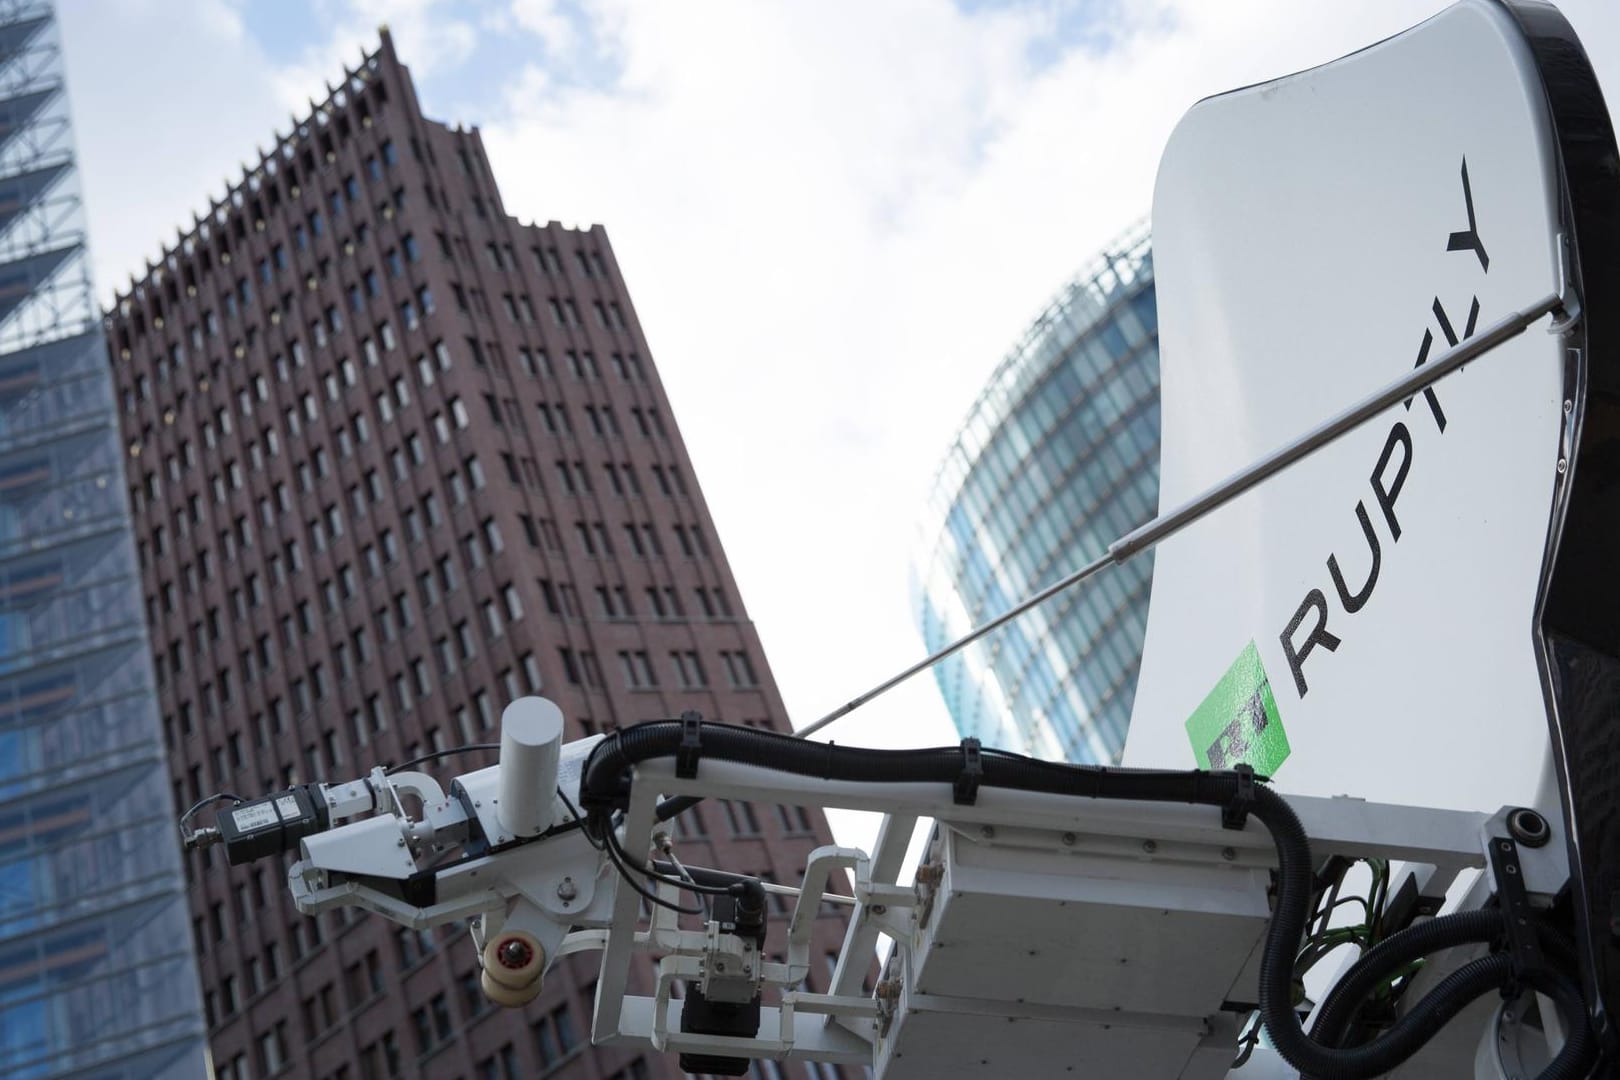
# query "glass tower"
(1057, 458)
(97, 973)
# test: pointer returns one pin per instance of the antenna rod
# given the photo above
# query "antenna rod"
(1167, 525)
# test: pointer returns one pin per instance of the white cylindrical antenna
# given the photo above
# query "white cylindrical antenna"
(531, 739)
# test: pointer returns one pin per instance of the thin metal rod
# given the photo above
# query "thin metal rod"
(1166, 525)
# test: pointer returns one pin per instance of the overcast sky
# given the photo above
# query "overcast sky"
(835, 218)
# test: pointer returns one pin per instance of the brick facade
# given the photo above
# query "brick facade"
(396, 458)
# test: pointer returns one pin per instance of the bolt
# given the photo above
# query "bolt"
(1068, 839)
(1229, 854)
(514, 953)
(988, 832)
(566, 890)
(402, 841)
(878, 909)
(1150, 846)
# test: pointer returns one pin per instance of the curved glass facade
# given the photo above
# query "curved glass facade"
(1057, 458)
(97, 974)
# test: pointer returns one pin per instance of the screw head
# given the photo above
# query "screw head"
(1150, 846)
(1069, 839)
(513, 953)
(566, 889)
(988, 832)
(1229, 854)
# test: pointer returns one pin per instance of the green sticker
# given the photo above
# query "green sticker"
(1238, 721)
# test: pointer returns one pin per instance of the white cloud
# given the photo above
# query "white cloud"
(165, 112)
(834, 219)
(834, 223)
(430, 35)
(546, 20)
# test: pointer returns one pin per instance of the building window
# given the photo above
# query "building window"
(555, 1037)
(688, 668)
(740, 817)
(739, 669)
(638, 669)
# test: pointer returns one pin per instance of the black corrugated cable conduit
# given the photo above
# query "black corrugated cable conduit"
(1389, 956)
(605, 786)
(1334, 1018)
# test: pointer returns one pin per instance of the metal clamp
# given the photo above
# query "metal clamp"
(691, 748)
(1235, 814)
(966, 789)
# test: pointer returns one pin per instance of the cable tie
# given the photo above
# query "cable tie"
(691, 748)
(966, 790)
(1235, 814)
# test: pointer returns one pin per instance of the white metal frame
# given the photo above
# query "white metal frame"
(567, 894)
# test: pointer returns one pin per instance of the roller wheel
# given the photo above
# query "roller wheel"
(506, 996)
(513, 959)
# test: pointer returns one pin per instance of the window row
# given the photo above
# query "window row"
(302, 157)
(639, 672)
(236, 300)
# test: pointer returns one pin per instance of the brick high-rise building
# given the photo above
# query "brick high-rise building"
(397, 458)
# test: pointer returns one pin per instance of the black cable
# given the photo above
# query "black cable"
(606, 784)
(1581, 1048)
(629, 879)
(577, 822)
(1338, 1009)
(613, 841)
(200, 803)
(680, 804)
(686, 876)
(442, 753)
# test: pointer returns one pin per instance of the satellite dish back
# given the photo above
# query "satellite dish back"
(1426, 611)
